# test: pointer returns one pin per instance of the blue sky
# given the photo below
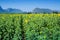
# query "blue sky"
(29, 5)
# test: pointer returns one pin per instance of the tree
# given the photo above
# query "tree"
(55, 12)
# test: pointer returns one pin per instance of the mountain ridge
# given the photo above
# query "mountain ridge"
(10, 10)
(35, 10)
(42, 10)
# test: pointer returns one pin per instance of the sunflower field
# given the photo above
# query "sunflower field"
(29, 26)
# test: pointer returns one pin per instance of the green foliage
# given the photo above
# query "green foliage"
(10, 27)
(29, 27)
(42, 27)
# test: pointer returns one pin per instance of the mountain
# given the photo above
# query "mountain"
(1, 9)
(38, 10)
(10, 10)
(56, 10)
